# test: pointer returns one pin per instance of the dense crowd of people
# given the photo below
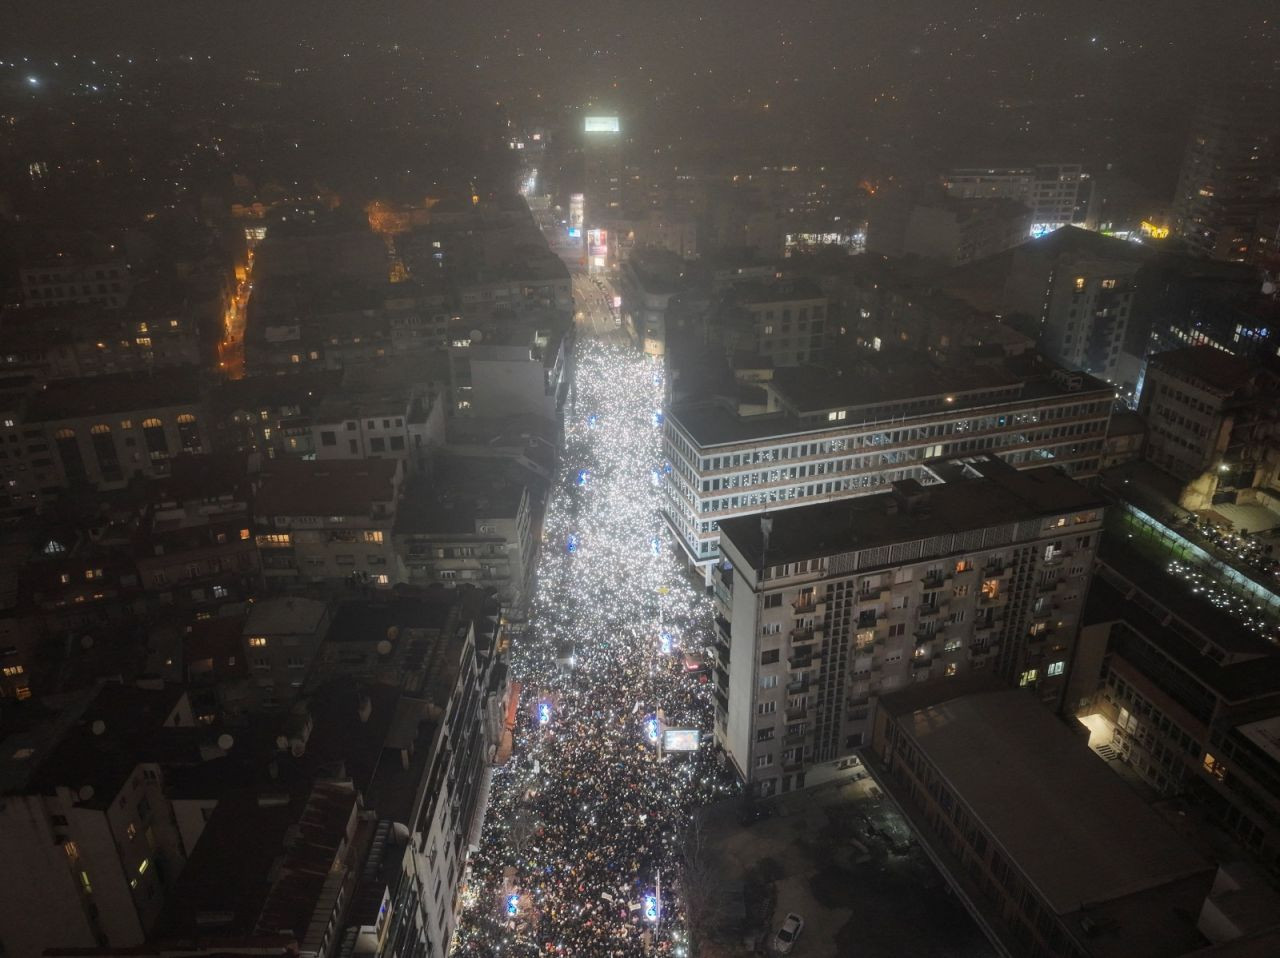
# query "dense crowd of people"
(580, 854)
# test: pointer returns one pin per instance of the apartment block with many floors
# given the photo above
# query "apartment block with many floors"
(825, 608)
(839, 436)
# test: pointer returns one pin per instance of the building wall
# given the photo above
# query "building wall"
(47, 906)
(1086, 315)
(815, 645)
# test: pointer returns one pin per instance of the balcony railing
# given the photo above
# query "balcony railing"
(806, 604)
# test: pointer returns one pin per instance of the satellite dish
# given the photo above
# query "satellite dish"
(282, 742)
(85, 793)
(98, 726)
(476, 336)
(225, 742)
(384, 647)
(86, 641)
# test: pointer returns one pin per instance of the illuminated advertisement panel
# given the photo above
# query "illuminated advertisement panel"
(601, 124)
(598, 247)
(680, 740)
(575, 211)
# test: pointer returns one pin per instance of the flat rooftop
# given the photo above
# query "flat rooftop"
(115, 393)
(999, 496)
(460, 493)
(901, 393)
(1076, 830)
(328, 487)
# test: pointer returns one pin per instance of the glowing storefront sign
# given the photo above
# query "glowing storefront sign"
(601, 124)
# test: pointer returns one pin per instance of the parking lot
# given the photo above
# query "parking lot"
(844, 860)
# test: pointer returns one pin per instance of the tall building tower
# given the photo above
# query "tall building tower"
(825, 608)
(1230, 176)
(602, 184)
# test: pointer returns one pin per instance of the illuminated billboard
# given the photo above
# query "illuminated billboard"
(598, 247)
(601, 124)
(680, 740)
(576, 204)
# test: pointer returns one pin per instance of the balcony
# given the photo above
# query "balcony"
(805, 634)
(923, 662)
(722, 651)
(795, 766)
(874, 594)
(722, 678)
(797, 713)
(802, 659)
(929, 611)
(935, 580)
(806, 603)
(799, 686)
(982, 651)
(723, 627)
(722, 700)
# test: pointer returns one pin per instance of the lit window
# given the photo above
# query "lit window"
(1028, 677)
(1055, 668)
(257, 641)
(373, 535)
(84, 880)
(951, 669)
(143, 866)
(991, 589)
(12, 670)
(381, 579)
(1108, 284)
(244, 534)
(964, 565)
(1214, 767)
(1079, 282)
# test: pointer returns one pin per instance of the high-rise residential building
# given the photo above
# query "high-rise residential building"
(1058, 195)
(836, 435)
(825, 608)
(1229, 185)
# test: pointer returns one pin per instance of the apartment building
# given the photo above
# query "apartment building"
(97, 431)
(1189, 701)
(1056, 194)
(57, 277)
(1211, 421)
(328, 521)
(825, 608)
(1053, 854)
(784, 321)
(471, 521)
(85, 819)
(838, 436)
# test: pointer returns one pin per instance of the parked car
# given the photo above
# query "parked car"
(786, 937)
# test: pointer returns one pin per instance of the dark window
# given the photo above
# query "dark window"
(769, 657)
(328, 438)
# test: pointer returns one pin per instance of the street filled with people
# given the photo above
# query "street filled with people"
(581, 849)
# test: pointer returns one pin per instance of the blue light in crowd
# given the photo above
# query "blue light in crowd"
(592, 421)
(651, 729)
(571, 546)
(657, 418)
(651, 907)
(584, 476)
(513, 904)
(544, 713)
(656, 544)
(664, 638)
